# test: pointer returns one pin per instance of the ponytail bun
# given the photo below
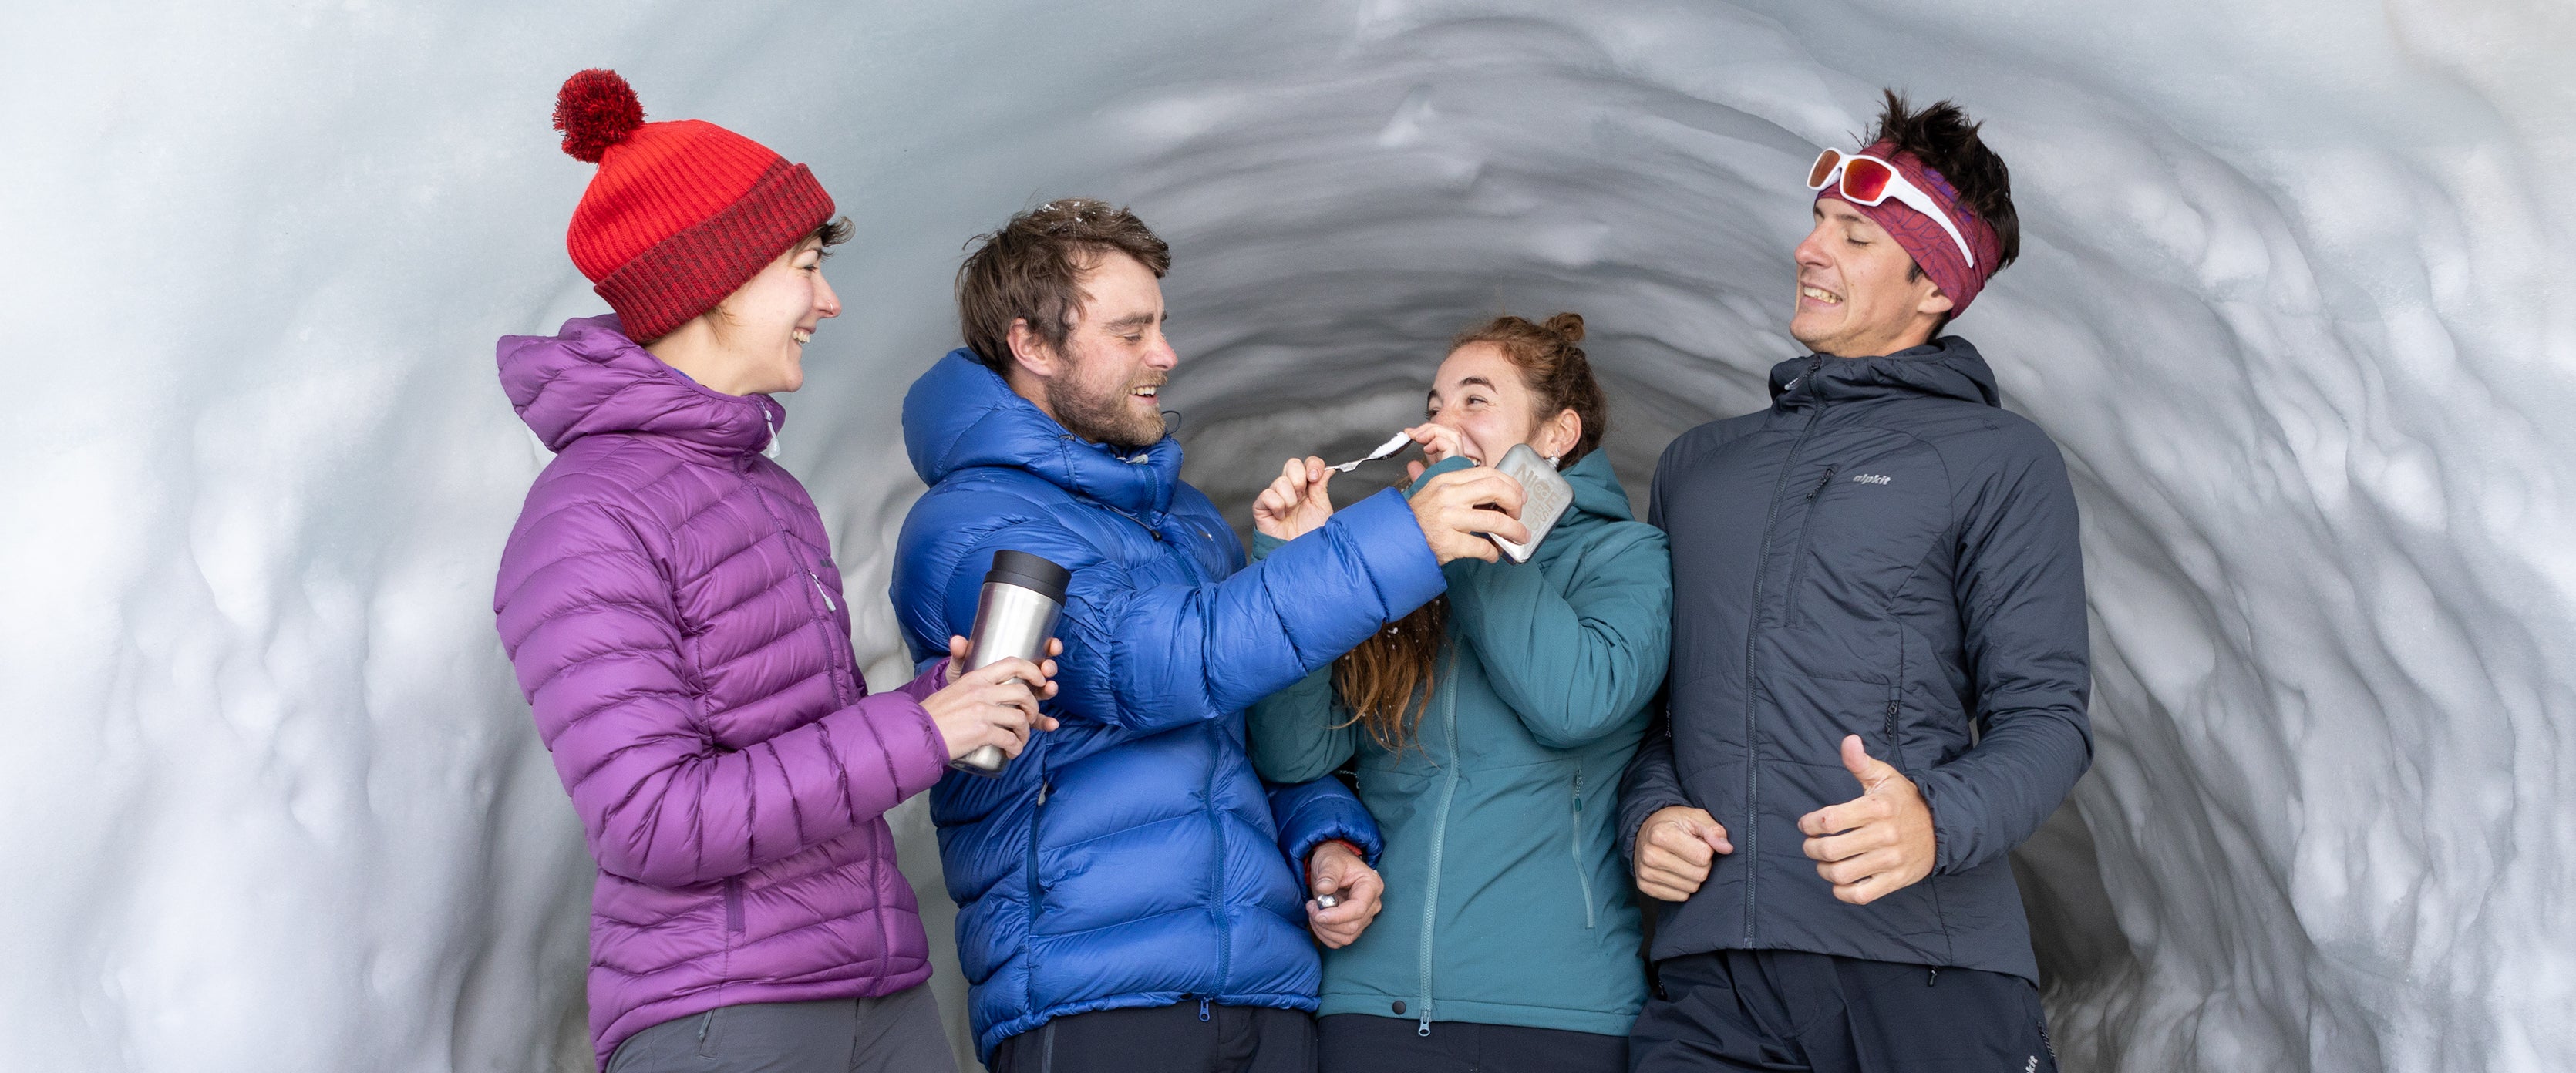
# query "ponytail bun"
(1567, 326)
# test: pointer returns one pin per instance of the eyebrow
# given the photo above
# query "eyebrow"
(1137, 320)
(1478, 380)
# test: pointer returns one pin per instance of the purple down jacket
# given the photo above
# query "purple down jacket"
(669, 600)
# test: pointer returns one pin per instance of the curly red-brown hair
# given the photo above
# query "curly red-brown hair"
(1387, 681)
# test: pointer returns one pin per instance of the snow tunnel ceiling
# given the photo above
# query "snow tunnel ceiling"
(2294, 299)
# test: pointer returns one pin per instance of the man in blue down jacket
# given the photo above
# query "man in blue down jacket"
(1129, 897)
(1879, 664)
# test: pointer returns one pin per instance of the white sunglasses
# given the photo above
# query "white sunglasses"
(1868, 180)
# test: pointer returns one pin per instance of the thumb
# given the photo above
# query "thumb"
(1413, 470)
(1714, 835)
(1868, 769)
(1327, 883)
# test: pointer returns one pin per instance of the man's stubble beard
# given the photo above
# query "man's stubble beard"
(1103, 419)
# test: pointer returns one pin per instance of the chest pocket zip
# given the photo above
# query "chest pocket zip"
(1582, 866)
(836, 646)
(1806, 544)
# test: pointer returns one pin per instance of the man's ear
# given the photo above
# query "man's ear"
(1030, 351)
(1934, 302)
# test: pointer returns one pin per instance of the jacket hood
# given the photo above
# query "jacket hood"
(960, 415)
(1596, 488)
(590, 379)
(1948, 367)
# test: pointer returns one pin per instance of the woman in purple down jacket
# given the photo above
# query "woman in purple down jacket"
(669, 601)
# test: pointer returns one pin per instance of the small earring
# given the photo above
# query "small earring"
(1552, 463)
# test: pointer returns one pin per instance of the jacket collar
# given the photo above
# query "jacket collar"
(960, 415)
(1948, 367)
(591, 379)
(1596, 488)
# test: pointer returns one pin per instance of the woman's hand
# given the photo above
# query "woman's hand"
(1456, 509)
(1438, 442)
(1333, 869)
(992, 706)
(1295, 504)
(957, 652)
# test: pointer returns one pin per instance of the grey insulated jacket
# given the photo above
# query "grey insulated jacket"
(1888, 553)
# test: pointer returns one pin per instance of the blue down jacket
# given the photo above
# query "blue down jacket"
(1883, 552)
(1132, 857)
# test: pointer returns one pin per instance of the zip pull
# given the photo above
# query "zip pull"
(825, 593)
(1042, 793)
(1425, 1030)
(1820, 485)
(1203, 1008)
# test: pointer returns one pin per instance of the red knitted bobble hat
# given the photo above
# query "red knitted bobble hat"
(681, 213)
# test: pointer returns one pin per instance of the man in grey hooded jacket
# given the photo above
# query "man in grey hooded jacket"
(1879, 669)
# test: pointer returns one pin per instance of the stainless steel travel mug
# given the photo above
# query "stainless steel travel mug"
(1015, 616)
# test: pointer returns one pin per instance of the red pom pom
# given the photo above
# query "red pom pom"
(595, 110)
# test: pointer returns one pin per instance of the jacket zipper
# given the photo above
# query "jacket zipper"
(1582, 867)
(733, 904)
(1896, 757)
(1752, 637)
(1216, 870)
(1036, 812)
(1439, 835)
(1806, 541)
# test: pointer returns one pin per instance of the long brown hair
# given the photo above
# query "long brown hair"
(1387, 680)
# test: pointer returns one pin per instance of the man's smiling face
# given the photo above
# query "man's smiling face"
(1116, 358)
(1855, 299)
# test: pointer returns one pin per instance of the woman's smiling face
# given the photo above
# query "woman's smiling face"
(765, 324)
(1479, 393)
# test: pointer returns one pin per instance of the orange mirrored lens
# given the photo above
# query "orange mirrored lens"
(1823, 170)
(1865, 180)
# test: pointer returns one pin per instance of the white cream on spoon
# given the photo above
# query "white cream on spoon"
(1392, 445)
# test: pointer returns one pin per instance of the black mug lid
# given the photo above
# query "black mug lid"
(1033, 572)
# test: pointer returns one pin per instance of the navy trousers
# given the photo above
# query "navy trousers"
(1365, 1043)
(1187, 1038)
(1787, 1010)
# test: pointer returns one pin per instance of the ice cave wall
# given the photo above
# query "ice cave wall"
(2295, 299)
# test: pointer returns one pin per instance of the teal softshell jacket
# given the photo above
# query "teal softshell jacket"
(1506, 896)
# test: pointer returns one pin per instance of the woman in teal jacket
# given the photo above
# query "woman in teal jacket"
(1490, 729)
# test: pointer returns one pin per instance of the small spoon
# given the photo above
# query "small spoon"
(1391, 446)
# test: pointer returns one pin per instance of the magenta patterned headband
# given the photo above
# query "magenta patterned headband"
(1931, 246)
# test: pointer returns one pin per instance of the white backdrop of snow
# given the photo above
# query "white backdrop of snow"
(2295, 298)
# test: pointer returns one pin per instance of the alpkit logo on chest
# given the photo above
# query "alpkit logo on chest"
(1871, 478)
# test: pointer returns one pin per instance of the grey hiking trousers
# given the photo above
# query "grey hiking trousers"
(898, 1033)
